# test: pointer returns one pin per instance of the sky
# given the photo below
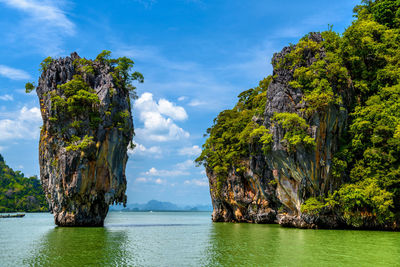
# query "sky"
(196, 57)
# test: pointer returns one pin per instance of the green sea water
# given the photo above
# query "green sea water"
(187, 239)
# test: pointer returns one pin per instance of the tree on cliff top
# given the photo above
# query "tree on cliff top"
(366, 56)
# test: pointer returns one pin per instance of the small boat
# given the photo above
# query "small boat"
(12, 216)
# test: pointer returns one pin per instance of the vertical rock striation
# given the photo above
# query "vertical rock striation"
(323, 148)
(275, 184)
(305, 172)
(87, 127)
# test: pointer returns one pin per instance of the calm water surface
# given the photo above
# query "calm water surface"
(187, 239)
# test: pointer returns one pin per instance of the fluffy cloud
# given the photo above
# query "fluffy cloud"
(170, 109)
(179, 169)
(150, 180)
(190, 151)
(145, 151)
(158, 119)
(197, 182)
(25, 125)
(13, 74)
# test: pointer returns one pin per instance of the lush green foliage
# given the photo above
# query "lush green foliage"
(369, 160)
(18, 193)
(360, 68)
(233, 132)
(324, 80)
(312, 206)
(296, 130)
(29, 87)
(76, 100)
(45, 64)
(121, 75)
(78, 144)
(260, 134)
(72, 99)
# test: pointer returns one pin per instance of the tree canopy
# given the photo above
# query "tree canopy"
(362, 63)
(19, 193)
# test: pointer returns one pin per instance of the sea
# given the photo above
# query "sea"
(187, 239)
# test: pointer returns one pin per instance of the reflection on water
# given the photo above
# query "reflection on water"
(272, 245)
(81, 246)
(128, 239)
(188, 239)
(242, 245)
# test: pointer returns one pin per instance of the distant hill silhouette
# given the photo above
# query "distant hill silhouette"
(155, 205)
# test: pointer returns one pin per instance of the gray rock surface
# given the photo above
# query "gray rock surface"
(81, 184)
(276, 184)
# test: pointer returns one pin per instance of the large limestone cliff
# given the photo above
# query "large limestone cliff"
(87, 126)
(276, 183)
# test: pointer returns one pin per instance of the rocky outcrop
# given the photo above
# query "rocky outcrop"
(245, 197)
(87, 126)
(276, 183)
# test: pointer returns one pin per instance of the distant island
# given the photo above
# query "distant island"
(22, 194)
(19, 193)
(155, 205)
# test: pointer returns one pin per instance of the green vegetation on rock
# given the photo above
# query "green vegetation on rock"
(45, 64)
(233, 132)
(18, 193)
(358, 72)
(76, 98)
(296, 130)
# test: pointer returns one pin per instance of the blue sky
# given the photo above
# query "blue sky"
(196, 57)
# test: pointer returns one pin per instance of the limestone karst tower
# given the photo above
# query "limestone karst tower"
(87, 127)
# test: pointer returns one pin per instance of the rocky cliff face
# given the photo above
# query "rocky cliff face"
(276, 183)
(87, 126)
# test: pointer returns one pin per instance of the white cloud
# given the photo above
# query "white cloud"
(158, 119)
(13, 74)
(150, 180)
(179, 169)
(140, 149)
(196, 103)
(25, 125)
(185, 165)
(43, 11)
(6, 97)
(190, 151)
(142, 180)
(170, 109)
(165, 173)
(2, 148)
(159, 181)
(43, 26)
(197, 182)
(184, 78)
